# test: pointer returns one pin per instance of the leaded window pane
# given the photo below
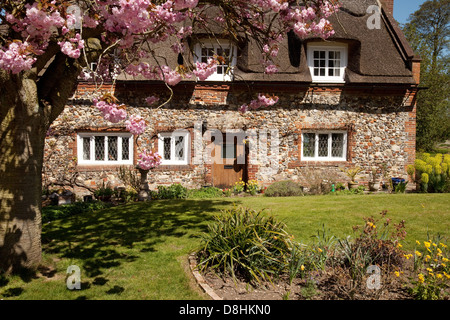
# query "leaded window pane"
(86, 148)
(125, 148)
(337, 145)
(112, 149)
(323, 145)
(309, 145)
(167, 148)
(99, 146)
(179, 148)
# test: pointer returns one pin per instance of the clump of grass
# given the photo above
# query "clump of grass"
(246, 243)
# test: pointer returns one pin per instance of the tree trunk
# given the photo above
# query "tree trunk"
(28, 105)
(21, 149)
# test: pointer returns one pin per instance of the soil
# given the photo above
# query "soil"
(330, 284)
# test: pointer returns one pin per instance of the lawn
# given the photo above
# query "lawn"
(139, 251)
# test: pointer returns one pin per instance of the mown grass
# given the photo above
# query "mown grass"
(139, 251)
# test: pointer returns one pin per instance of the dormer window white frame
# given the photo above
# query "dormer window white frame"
(327, 61)
(209, 48)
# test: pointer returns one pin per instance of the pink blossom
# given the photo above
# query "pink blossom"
(271, 69)
(136, 124)
(16, 57)
(204, 70)
(111, 111)
(148, 160)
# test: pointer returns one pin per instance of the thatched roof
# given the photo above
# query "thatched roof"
(374, 56)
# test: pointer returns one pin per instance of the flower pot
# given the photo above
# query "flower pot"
(374, 186)
(352, 185)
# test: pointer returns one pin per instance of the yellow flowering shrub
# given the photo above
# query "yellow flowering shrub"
(431, 264)
(433, 172)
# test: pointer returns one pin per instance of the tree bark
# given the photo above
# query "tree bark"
(28, 105)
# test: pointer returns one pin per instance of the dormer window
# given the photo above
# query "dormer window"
(224, 52)
(327, 62)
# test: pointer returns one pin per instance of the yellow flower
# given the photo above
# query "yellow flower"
(427, 244)
(446, 275)
(397, 273)
(418, 242)
(439, 276)
(320, 250)
(444, 259)
(418, 253)
(399, 245)
(443, 245)
(421, 278)
(429, 270)
(434, 244)
(302, 267)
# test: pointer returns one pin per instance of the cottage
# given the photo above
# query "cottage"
(345, 102)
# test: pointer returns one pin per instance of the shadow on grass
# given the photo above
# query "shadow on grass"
(100, 239)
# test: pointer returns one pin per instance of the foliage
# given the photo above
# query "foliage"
(130, 177)
(253, 187)
(432, 270)
(433, 173)
(373, 247)
(239, 186)
(103, 193)
(247, 243)
(174, 191)
(284, 189)
(51, 213)
(352, 173)
(202, 193)
(428, 33)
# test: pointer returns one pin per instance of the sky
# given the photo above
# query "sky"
(403, 8)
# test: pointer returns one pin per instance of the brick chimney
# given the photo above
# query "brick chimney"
(388, 6)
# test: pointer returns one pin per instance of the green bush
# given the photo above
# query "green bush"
(433, 172)
(246, 243)
(174, 191)
(284, 189)
(202, 193)
(51, 213)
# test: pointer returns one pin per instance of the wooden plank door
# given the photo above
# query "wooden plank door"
(229, 162)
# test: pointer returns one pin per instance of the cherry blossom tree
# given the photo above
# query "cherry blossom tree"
(47, 45)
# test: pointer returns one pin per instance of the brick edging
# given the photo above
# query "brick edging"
(200, 280)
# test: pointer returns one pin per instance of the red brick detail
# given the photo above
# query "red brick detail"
(210, 94)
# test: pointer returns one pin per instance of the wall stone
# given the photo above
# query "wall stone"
(381, 132)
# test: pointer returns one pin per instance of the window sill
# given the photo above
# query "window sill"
(102, 167)
(318, 163)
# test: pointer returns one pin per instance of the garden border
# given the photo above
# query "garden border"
(199, 278)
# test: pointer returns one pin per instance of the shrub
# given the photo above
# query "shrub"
(51, 213)
(246, 243)
(284, 189)
(374, 245)
(433, 173)
(174, 191)
(208, 192)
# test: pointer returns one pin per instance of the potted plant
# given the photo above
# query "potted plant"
(352, 173)
(374, 185)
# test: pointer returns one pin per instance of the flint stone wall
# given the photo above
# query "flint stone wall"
(381, 132)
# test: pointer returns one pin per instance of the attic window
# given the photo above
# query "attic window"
(225, 51)
(327, 62)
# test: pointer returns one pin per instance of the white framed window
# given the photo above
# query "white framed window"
(324, 146)
(174, 147)
(327, 62)
(213, 49)
(105, 148)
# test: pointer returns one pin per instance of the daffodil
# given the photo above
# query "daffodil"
(418, 242)
(439, 276)
(443, 245)
(427, 244)
(397, 273)
(418, 253)
(302, 268)
(421, 278)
